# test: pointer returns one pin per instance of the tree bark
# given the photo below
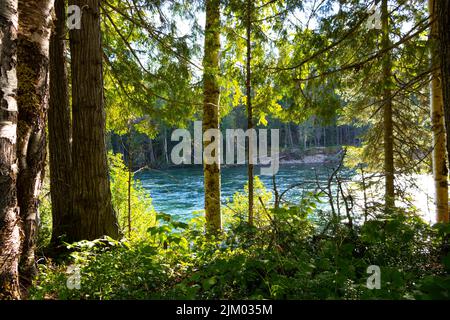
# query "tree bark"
(35, 22)
(10, 225)
(130, 177)
(59, 129)
(166, 155)
(387, 112)
(92, 208)
(289, 139)
(324, 129)
(211, 114)
(440, 171)
(151, 152)
(443, 16)
(248, 85)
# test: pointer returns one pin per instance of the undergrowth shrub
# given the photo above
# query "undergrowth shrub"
(287, 255)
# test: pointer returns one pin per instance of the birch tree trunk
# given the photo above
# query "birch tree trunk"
(440, 171)
(92, 208)
(10, 227)
(35, 21)
(211, 113)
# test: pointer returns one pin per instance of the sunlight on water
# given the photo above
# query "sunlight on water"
(179, 191)
(422, 195)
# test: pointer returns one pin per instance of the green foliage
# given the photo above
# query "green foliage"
(237, 209)
(150, 76)
(143, 216)
(108, 270)
(286, 256)
(45, 216)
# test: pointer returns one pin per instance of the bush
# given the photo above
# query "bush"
(287, 255)
(143, 214)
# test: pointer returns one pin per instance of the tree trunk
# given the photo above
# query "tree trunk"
(130, 177)
(151, 152)
(166, 155)
(59, 129)
(116, 144)
(289, 139)
(440, 171)
(443, 16)
(211, 113)
(32, 73)
(317, 136)
(387, 112)
(92, 207)
(338, 131)
(305, 137)
(249, 112)
(10, 226)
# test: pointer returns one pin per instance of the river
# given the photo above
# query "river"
(179, 191)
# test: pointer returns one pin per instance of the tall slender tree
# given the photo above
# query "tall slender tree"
(248, 86)
(59, 128)
(35, 22)
(440, 171)
(211, 102)
(388, 123)
(10, 227)
(443, 16)
(93, 214)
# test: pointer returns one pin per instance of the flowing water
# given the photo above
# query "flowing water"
(179, 191)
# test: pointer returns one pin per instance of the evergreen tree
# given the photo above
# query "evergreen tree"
(93, 215)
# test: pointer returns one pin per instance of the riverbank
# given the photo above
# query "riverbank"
(311, 156)
(315, 155)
